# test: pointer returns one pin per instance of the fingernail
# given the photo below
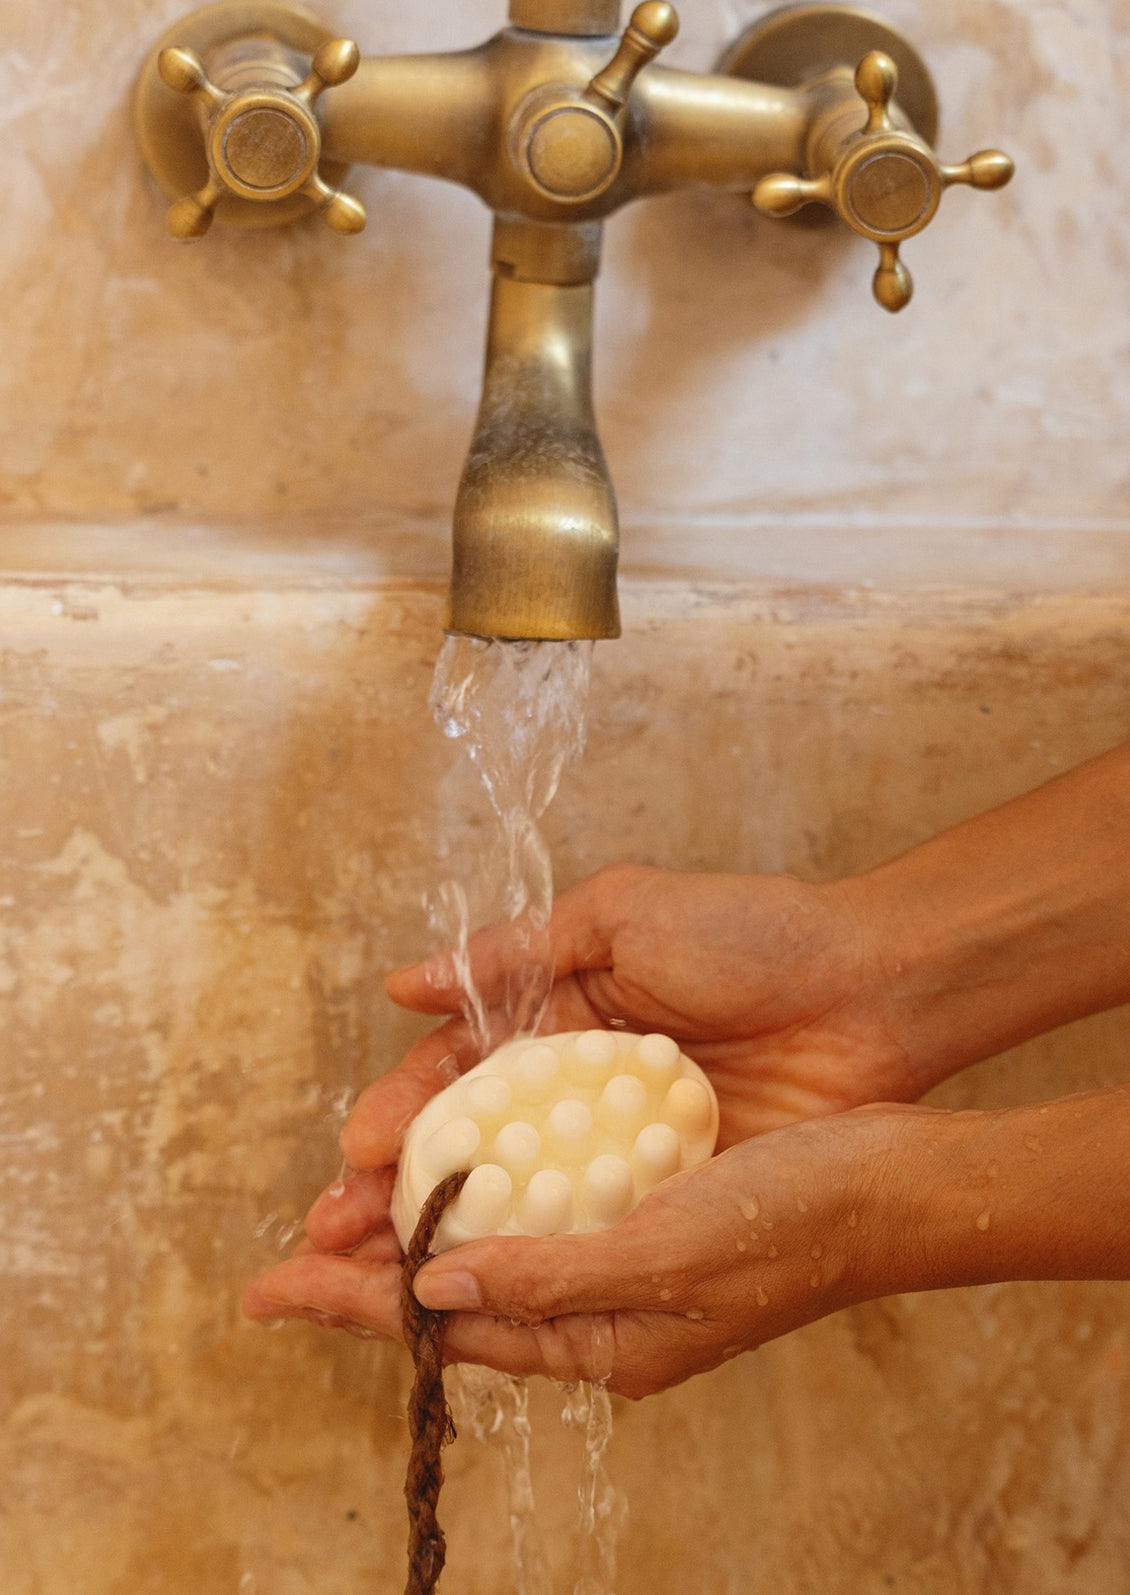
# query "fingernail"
(448, 1291)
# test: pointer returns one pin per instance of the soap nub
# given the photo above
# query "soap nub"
(688, 1106)
(484, 1202)
(487, 1100)
(452, 1146)
(608, 1188)
(517, 1146)
(592, 1057)
(534, 1073)
(562, 1134)
(622, 1109)
(547, 1206)
(568, 1129)
(655, 1155)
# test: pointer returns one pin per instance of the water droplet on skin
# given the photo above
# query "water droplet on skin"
(741, 1246)
(801, 1205)
(337, 1189)
(730, 1353)
(853, 1219)
(814, 1280)
(749, 1208)
(767, 1223)
(772, 1252)
(665, 1295)
(984, 1219)
(1033, 1143)
(695, 1314)
(816, 1253)
(448, 1069)
(762, 1298)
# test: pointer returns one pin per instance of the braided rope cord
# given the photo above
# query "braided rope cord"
(429, 1416)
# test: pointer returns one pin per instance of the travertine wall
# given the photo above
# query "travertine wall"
(878, 580)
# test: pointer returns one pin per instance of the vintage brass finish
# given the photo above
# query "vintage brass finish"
(556, 125)
(263, 141)
(799, 44)
(883, 180)
(571, 145)
(535, 534)
(580, 18)
(238, 42)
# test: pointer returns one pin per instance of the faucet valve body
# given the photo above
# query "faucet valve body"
(555, 124)
(571, 146)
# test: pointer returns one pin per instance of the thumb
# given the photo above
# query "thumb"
(528, 1281)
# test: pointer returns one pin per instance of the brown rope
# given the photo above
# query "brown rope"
(429, 1416)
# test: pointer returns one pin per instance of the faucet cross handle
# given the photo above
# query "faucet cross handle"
(882, 179)
(570, 143)
(263, 140)
(653, 26)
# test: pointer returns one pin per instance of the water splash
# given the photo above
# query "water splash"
(601, 1507)
(495, 1408)
(519, 709)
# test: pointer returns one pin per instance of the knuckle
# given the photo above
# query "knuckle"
(614, 881)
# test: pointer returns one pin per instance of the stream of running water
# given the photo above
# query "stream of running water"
(519, 710)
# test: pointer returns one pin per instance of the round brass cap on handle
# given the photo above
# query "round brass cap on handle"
(885, 182)
(570, 145)
(248, 146)
(263, 142)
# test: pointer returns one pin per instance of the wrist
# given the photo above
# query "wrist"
(975, 1198)
(1005, 926)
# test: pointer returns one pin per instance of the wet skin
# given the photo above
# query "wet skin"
(819, 1012)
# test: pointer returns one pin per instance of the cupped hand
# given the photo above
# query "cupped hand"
(774, 986)
(772, 1234)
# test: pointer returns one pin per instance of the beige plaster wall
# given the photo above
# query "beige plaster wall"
(879, 580)
(205, 866)
(742, 367)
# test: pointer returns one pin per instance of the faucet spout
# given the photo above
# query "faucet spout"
(535, 533)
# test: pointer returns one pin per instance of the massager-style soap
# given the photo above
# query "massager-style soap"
(561, 1134)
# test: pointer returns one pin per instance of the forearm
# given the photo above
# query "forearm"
(1008, 925)
(1022, 1193)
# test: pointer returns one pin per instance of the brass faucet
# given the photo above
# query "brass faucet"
(555, 123)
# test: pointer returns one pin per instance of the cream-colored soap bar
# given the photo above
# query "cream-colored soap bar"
(561, 1134)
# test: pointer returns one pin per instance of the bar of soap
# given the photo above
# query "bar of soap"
(561, 1134)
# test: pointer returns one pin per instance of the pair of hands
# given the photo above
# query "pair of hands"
(778, 990)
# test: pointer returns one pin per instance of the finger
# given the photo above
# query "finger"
(580, 935)
(382, 1246)
(581, 1346)
(344, 1293)
(634, 1354)
(529, 1281)
(346, 1289)
(350, 1209)
(375, 1129)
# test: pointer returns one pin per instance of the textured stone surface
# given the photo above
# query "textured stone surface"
(221, 799)
(206, 865)
(741, 364)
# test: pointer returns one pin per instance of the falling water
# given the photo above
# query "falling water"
(519, 709)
